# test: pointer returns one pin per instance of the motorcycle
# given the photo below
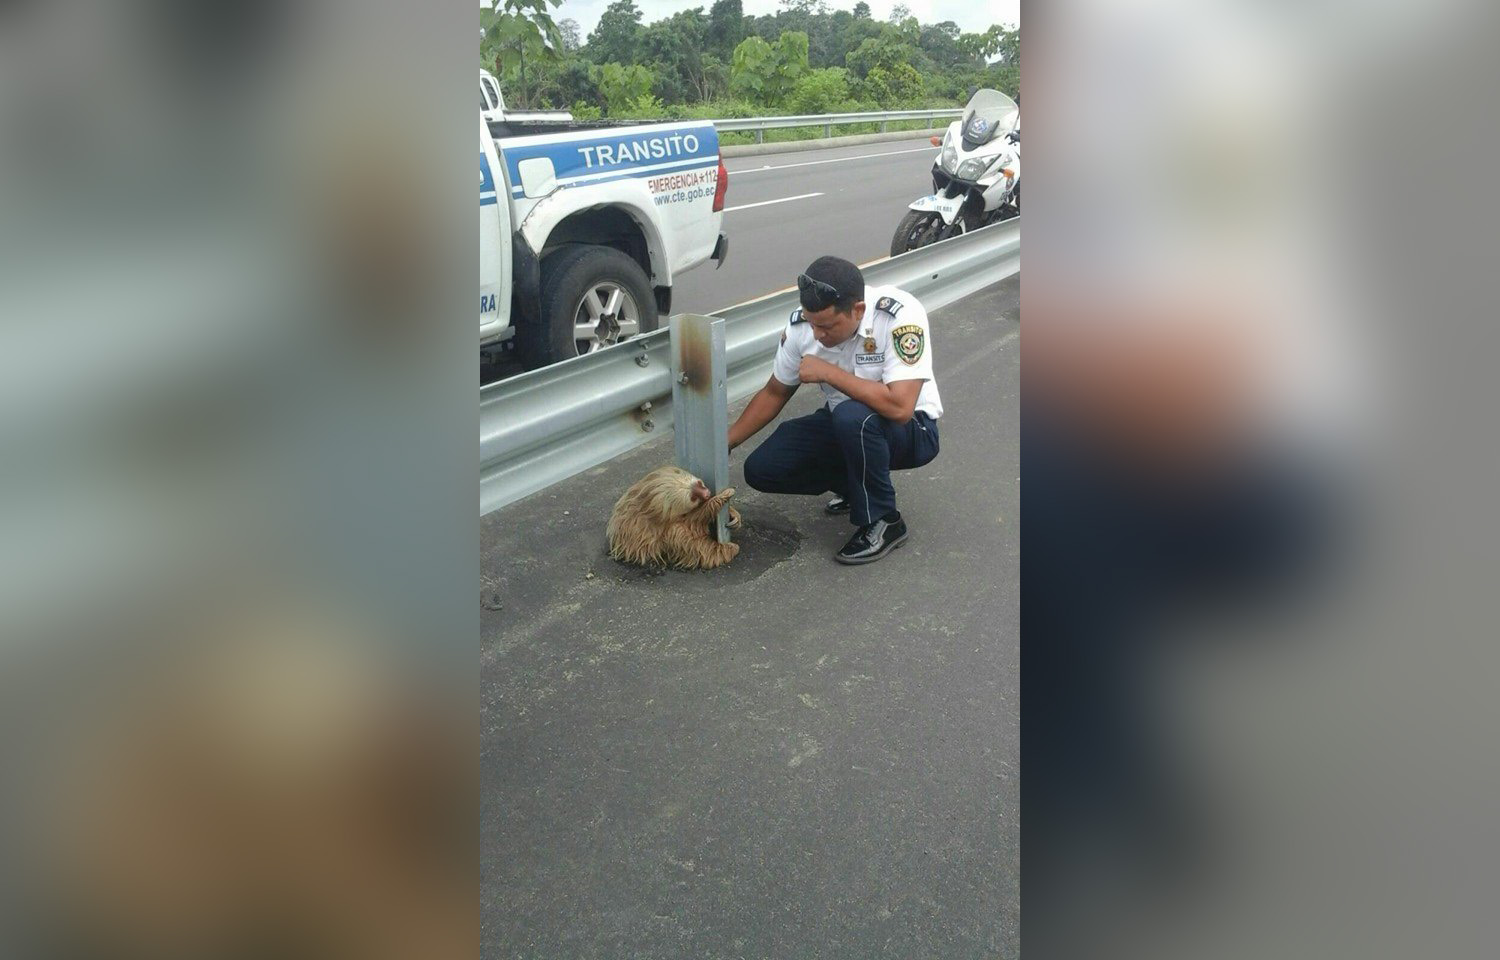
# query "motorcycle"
(976, 179)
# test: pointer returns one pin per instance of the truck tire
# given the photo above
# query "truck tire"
(591, 297)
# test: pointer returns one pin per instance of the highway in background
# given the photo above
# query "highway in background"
(785, 209)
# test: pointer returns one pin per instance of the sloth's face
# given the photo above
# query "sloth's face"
(678, 492)
(699, 492)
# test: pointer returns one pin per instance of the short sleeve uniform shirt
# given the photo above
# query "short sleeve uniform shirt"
(892, 343)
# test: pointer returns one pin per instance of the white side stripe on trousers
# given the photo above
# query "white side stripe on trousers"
(864, 460)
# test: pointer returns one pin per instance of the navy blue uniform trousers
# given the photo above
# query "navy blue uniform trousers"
(850, 452)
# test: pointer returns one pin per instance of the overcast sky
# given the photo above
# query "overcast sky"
(973, 16)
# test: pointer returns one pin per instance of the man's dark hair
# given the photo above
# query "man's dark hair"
(838, 273)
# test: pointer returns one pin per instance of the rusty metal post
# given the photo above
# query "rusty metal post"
(700, 406)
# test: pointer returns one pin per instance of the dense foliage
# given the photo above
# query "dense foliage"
(720, 63)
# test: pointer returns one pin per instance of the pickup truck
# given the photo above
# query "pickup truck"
(582, 230)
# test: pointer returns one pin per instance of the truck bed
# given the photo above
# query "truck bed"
(530, 128)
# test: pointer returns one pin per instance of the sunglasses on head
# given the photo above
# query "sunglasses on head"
(816, 295)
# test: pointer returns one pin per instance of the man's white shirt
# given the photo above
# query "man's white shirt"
(892, 343)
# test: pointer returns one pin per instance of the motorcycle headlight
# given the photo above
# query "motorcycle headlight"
(972, 169)
(949, 158)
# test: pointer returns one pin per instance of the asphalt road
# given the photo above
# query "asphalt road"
(781, 758)
(862, 193)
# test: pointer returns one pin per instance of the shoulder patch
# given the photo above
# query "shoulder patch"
(909, 342)
(889, 305)
(797, 316)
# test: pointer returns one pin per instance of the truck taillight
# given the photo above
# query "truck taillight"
(721, 188)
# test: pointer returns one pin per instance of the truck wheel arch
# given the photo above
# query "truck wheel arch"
(615, 226)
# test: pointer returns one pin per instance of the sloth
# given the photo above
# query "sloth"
(666, 518)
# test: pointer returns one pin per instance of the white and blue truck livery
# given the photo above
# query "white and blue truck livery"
(582, 230)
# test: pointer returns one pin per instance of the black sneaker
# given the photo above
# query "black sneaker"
(838, 506)
(872, 542)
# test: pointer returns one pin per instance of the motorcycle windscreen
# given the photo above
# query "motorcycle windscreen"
(988, 114)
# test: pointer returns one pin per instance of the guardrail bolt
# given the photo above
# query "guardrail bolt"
(682, 378)
(648, 424)
(643, 361)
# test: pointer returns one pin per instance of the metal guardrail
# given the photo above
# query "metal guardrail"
(544, 426)
(830, 120)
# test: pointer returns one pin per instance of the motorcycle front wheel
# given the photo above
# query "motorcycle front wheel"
(917, 229)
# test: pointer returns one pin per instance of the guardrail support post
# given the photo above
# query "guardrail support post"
(700, 405)
(760, 136)
(827, 130)
(882, 126)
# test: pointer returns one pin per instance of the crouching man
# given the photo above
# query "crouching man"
(870, 352)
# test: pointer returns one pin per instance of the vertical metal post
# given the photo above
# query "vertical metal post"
(760, 135)
(700, 406)
(882, 126)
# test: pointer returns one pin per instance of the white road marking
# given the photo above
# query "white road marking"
(810, 163)
(747, 206)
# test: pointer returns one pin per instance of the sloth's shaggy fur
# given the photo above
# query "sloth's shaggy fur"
(666, 519)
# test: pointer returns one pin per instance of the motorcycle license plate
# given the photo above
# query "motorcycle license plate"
(947, 207)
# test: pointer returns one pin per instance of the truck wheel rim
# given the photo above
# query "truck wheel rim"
(607, 314)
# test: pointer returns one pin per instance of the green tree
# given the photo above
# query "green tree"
(698, 57)
(714, 78)
(621, 86)
(513, 33)
(940, 43)
(894, 86)
(564, 84)
(675, 47)
(617, 38)
(572, 34)
(726, 28)
(751, 72)
(820, 91)
(996, 42)
(791, 65)
(899, 13)
(766, 73)
(886, 50)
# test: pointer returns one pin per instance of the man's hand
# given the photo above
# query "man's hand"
(814, 370)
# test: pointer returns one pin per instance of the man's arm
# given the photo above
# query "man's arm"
(894, 401)
(761, 410)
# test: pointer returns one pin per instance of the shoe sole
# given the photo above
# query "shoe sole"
(839, 512)
(873, 557)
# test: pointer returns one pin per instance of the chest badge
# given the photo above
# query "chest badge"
(869, 345)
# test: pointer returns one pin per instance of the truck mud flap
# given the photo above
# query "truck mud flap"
(526, 274)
